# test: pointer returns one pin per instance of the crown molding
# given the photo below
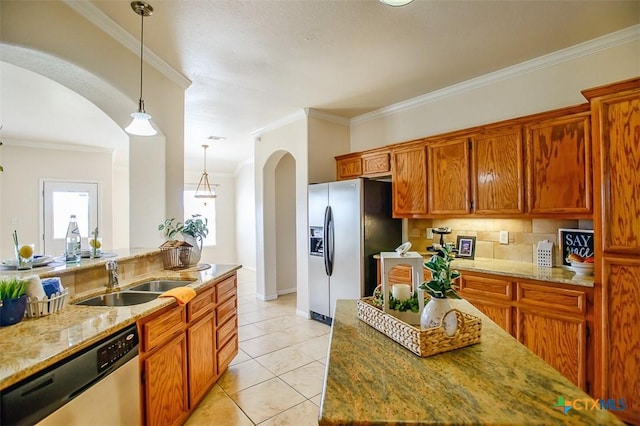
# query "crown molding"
(571, 53)
(314, 113)
(56, 145)
(111, 27)
(291, 118)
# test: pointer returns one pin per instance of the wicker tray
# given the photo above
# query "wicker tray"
(422, 342)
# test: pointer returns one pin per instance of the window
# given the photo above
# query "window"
(204, 207)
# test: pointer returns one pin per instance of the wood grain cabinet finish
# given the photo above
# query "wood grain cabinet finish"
(184, 351)
(449, 177)
(349, 167)
(615, 111)
(559, 166)
(497, 174)
(377, 163)
(491, 296)
(409, 180)
(552, 322)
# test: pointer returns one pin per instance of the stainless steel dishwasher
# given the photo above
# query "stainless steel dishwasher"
(98, 386)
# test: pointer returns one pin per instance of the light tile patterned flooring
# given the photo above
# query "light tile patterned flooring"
(276, 378)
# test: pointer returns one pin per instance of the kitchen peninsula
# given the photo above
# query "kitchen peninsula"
(372, 380)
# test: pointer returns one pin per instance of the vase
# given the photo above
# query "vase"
(434, 312)
(196, 250)
(12, 310)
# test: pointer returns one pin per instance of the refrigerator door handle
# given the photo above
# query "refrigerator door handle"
(328, 241)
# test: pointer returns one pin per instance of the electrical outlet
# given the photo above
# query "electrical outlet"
(504, 237)
(429, 233)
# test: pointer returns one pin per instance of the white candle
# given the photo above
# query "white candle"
(401, 291)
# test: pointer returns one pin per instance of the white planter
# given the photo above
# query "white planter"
(196, 251)
(434, 312)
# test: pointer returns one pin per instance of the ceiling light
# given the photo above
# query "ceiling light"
(204, 189)
(141, 124)
(396, 3)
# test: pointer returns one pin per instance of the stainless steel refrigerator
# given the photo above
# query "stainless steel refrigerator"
(349, 222)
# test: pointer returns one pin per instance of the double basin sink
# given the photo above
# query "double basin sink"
(139, 293)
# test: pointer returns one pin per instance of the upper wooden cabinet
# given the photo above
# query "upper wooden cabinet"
(559, 165)
(376, 162)
(497, 172)
(448, 177)
(409, 182)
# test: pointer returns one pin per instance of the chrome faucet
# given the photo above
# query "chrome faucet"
(112, 270)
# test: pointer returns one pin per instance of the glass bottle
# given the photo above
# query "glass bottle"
(72, 250)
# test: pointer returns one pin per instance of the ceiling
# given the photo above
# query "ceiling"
(255, 62)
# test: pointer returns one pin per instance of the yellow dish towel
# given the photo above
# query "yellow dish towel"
(181, 294)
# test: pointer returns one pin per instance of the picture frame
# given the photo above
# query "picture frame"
(466, 247)
(578, 241)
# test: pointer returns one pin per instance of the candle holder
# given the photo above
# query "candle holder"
(388, 260)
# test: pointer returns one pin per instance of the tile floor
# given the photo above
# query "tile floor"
(276, 378)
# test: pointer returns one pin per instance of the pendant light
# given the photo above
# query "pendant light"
(141, 125)
(396, 3)
(204, 189)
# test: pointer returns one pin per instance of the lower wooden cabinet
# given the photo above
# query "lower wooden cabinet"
(491, 296)
(184, 349)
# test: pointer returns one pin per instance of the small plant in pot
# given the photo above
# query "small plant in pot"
(193, 231)
(440, 288)
(13, 294)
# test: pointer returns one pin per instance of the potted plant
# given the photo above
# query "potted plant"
(13, 294)
(193, 231)
(440, 288)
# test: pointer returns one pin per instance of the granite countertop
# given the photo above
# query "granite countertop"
(36, 343)
(372, 380)
(515, 269)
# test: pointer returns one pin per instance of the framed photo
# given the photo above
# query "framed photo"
(466, 247)
(578, 241)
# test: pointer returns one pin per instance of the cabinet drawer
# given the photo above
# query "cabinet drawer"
(226, 353)
(481, 286)
(162, 327)
(349, 168)
(201, 304)
(226, 311)
(555, 299)
(225, 289)
(226, 331)
(376, 163)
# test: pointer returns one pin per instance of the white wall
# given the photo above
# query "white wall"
(246, 216)
(25, 163)
(328, 137)
(543, 84)
(285, 186)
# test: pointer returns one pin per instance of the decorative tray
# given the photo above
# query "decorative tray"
(422, 342)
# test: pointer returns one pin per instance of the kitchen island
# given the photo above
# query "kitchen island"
(372, 380)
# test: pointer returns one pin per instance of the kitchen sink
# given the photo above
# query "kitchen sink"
(123, 298)
(159, 286)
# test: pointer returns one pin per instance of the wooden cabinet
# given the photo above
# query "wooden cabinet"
(409, 180)
(491, 296)
(184, 349)
(615, 113)
(552, 322)
(449, 176)
(497, 172)
(373, 163)
(559, 166)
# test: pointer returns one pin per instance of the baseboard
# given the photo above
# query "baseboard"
(303, 314)
(266, 297)
(287, 291)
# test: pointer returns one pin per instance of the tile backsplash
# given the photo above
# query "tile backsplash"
(524, 235)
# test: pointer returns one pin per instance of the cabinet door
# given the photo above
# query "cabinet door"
(409, 181)
(552, 323)
(376, 164)
(618, 168)
(201, 338)
(491, 296)
(500, 313)
(559, 165)
(165, 373)
(620, 344)
(349, 168)
(449, 170)
(497, 181)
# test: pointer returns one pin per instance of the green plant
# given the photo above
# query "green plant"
(196, 227)
(12, 288)
(442, 276)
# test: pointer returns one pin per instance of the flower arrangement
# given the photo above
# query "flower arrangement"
(442, 276)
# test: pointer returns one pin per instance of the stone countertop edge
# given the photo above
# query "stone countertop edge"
(34, 344)
(516, 269)
(372, 380)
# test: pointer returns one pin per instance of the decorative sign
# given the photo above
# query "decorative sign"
(578, 241)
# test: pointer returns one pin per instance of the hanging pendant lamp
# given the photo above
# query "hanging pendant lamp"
(141, 124)
(396, 3)
(204, 189)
